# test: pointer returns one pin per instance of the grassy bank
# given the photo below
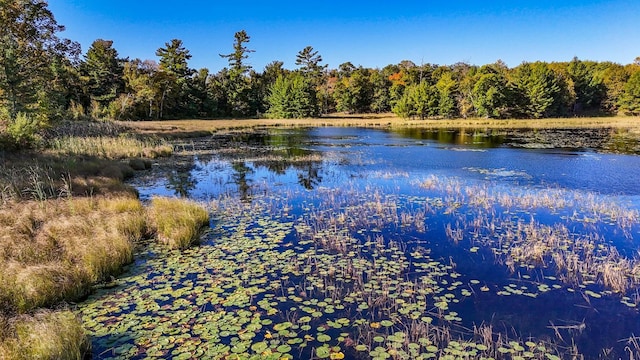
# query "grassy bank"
(202, 127)
(68, 222)
(43, 335)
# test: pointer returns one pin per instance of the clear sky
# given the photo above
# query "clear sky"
(367, 33)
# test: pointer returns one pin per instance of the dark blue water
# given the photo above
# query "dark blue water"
(353, 152)
(303, 165)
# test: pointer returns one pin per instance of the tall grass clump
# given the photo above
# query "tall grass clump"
(56, 252)
(177, 221)
(45, 335)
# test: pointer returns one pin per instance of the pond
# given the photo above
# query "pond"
(411, 244)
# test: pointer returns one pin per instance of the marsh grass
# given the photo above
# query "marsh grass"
(110, 147)
(177, 128)
(43, 335)
(67, 222)
(577, 258)
(33, 176)
(56, 252)
(178, 222)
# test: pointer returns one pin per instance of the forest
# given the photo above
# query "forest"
(45, 77)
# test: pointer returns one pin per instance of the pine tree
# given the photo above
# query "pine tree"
(630, 100)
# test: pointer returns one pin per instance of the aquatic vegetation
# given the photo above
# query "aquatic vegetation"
(577, 258)
(264, 292)
(177, 221)
(374, 261)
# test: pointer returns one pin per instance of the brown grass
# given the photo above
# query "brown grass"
(56, 251)
(110, 147)
(177, 221)
(45, 335)
(34, 176)
(202, 127)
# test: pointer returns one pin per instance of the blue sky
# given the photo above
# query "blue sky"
(371, 33)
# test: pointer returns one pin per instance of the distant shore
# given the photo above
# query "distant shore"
(177, 127)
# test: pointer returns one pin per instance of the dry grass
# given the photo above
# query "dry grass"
(45, 335)
(177, 221)
(33, 176)
(202, 127)
(55, 251)
(67, 221)
(114, 147)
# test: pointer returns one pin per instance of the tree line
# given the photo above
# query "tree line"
(44, 77)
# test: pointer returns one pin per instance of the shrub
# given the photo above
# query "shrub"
(23, 130)
(77, 112)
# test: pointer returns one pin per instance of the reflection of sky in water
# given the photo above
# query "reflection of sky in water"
(374, 160)
(364, 158)
(350, 153)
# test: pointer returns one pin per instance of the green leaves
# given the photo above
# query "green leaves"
(289, 97)
(34, 60)
(490, 95)
(419, 100)
(630, 100)
(539, 90)
(103, 70)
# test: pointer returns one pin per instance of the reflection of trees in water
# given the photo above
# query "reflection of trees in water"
(609, 140)
(479, 138)
(240, 178)
(180, 179)
(286, 147)
(309, 177)
(308, 171)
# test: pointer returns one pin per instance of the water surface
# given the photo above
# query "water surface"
(334, 242)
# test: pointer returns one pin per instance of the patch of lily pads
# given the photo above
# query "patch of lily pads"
(356, 272)
(263, 287)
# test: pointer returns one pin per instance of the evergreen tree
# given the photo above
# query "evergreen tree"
(630, 99)
(31, 55)
(289, 98)
(587, 88)
(237, 86)
(419, 100)
(490, 96)
(174, 57)
(539, 89)
(103, 70)
(174, 78)
(309, 61)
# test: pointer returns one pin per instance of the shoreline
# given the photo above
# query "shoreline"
(182, 126)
